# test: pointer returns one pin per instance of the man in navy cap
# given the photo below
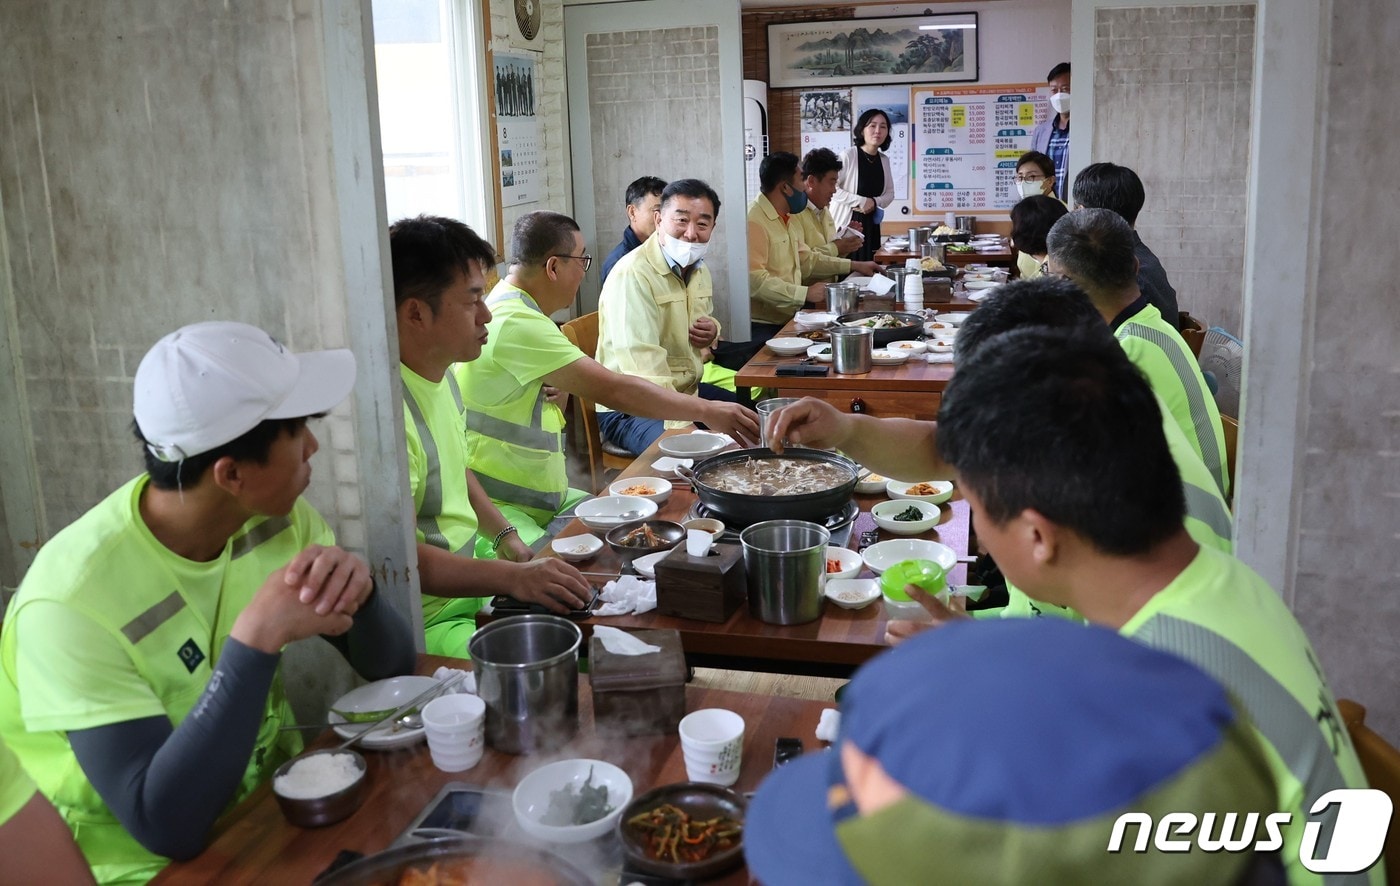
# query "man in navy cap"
(932, 779)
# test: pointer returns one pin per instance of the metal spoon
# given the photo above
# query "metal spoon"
(407, 721)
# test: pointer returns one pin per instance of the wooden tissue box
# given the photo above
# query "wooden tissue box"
(703, 588)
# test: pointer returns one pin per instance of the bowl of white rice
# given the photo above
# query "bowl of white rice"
(320, 788)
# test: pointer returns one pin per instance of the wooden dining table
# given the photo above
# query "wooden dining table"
(913, 389)
(833, 645)
(1003, 257)
(254, 844)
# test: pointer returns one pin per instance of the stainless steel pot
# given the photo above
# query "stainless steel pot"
(739, 510)
(527, 673)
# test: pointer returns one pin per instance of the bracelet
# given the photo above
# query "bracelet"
(500, 537)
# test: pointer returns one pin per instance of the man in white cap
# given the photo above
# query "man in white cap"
(140, 684)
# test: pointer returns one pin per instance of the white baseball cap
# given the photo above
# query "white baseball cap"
(208, 384)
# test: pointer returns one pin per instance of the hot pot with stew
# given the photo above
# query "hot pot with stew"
(746, 486)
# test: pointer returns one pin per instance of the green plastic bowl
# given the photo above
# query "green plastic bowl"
(924, 573)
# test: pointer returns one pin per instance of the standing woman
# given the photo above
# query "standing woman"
(865, 185)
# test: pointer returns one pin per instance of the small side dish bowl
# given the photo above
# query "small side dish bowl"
(531, 799)
(705, 524)
(852, 593)
(820, 352)
(910, 347)
(788, 347)
(577, 547)
(318, 811)
(654, 488)
(604, 513)
(886, 512)
(695, 445)
(702, 802)
(887, 357)
(849, 561)
(666, 534)
(882, 555)
(932, 491)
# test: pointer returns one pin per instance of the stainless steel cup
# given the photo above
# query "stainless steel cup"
(917, 236)
(786, 565)
(898, 275)
(850, 349)
(965, 222)
(842, 298)
(527, 673)
(766, 409)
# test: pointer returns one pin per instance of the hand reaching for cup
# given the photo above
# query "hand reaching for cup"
(901, 630)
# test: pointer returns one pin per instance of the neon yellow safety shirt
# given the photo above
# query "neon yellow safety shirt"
(817, 232)
(108, 626)
(435, 426)
(1223, 617)
(515, 440)
(1026, 265)
(645, 312)
(16, 787)
(1208, 519)
(1155, 347)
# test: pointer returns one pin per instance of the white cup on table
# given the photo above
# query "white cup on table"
(712, 743)
(455, 725)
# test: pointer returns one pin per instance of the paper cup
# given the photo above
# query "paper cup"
(712, 743)
(455, 726)
(698, 542)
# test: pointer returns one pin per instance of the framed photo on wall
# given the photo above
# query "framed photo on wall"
(862, 51)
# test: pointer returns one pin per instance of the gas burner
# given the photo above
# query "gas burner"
(833, 522)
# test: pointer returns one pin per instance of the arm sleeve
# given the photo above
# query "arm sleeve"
(887, 195)
(380, 642)
(630, 337)
(763, 285)
(845, 200)
(168, 786)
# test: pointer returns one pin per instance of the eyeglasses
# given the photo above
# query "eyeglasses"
(586, 259)
(1030, 177)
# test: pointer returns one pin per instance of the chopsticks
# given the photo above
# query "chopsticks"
(435, 689)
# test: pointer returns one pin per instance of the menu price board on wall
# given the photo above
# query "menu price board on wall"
(967, 140)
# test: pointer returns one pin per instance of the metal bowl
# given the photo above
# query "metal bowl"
(914, 325)
(315, 812)
(668, 535)
(700, 801)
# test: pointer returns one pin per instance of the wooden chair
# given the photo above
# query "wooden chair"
(1231, 426)
(1381, 762)
(583, 332)
(1194, 331)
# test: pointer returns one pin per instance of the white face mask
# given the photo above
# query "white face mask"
(1060, 102)
(1030, 189)
(682, 252)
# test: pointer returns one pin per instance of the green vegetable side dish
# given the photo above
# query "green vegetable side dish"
(567, 808)
(368, 716)
(910, 514)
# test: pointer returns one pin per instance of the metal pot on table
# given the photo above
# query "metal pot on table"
(741, 509)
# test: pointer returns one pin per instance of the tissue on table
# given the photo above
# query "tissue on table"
(667, 464)
(467, 685)
(880, 284)
(622, 643)
(627, 595)
(829, 725)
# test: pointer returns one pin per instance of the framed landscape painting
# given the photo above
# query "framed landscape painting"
(862, 51)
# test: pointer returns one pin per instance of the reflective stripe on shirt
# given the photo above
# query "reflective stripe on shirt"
(432, 483)
(1206, 506)
(1201, 422)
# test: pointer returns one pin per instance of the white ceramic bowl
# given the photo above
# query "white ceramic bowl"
(699, 444)
(660, 489)
(905, 610)
(955, 317)
(850, 562)
(872, 484)
(909, 347)
(813, 319)
(852, 593)
(940, 329)
(531, 798)
(788, 347)
(940, 346)
(820, 352)
(883, 357)
(376, 700)
(577, 547)
(605, 513)
(900, 490)
(882, 555)
(886, 511)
